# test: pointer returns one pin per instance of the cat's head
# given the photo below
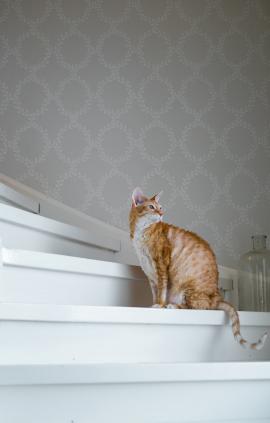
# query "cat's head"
(143, 207)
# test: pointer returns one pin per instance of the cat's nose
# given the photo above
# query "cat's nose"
(161, 212)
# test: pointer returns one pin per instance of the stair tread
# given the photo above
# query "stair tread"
(132, 372)
(131, 315)
(66, 263)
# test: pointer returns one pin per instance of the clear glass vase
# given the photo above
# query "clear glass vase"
(254, 277)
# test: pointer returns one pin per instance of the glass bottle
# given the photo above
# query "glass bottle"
(254, 277)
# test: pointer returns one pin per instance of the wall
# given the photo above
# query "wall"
(99, 97)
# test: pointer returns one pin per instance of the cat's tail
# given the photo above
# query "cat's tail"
(223, 305)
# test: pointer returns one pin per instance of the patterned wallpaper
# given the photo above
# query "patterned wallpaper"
(97, 97)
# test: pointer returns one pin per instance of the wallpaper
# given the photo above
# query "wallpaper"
(98, 97)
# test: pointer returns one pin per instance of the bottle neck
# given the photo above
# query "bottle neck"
(259, 242)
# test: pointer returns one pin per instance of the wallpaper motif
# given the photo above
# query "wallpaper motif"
(97, 97)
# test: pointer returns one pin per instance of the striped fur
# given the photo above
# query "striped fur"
(181, 267)
(228, 308)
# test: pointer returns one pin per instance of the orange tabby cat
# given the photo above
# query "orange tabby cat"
(180, 266)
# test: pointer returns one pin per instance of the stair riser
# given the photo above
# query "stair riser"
(237, 401)
(45, 232)
(26, 285)
(28, 237)
(62, 342)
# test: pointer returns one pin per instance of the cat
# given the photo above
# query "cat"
(181, 267)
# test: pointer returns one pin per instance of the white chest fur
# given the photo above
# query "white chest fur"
(140, 245)
(145, 259)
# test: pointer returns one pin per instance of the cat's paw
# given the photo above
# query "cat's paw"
(172, 306)
(158, 306)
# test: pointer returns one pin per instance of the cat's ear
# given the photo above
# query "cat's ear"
(138, 197)
(156, 197)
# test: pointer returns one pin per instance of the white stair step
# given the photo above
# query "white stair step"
(36, 277)
(205, 392)
(54, 374)
(21, 229)
(35, 333)
(56, 227)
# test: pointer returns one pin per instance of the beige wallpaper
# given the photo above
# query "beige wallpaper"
(97, 97)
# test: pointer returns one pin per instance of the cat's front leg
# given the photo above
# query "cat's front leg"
(153, 287)
(162, 286)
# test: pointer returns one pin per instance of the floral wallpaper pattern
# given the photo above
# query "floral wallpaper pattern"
(97, 97)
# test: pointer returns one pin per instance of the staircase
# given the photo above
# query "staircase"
(80, 344)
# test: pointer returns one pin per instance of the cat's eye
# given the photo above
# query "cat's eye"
(151, 207)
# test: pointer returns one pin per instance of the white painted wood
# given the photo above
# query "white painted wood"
(37, 277)
(81, 334)
(106, 234)
(14, 198)
(55, 228)
(68, 353)
(174, 393)
(119, 373)
(51, 262)
(126, 315)
(32, 232)
(21, 229)
(26, 237)
(59, 212)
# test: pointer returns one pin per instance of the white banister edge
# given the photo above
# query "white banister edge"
(16, 198)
